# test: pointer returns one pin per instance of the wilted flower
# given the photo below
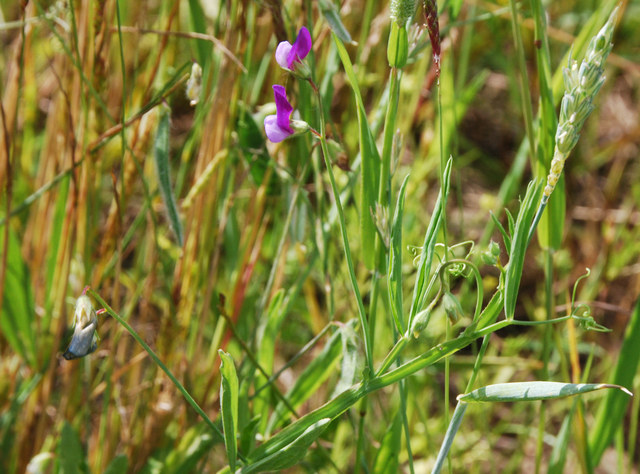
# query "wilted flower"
(280, 126)
(85, 339)
(194, 84)
(289, 56)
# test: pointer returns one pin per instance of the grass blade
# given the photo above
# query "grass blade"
(427, 251)
(17, 316)
(229, 406)
(612, 409)
(387, 457)
(395, 260)
(519, 244)
(290, 454)
(312, 378)
(454, 425)
(332, 15)
(161, 155)
(370, 164)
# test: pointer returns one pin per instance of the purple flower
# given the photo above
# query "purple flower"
(281, 125)
(278, 127)
(289, 56)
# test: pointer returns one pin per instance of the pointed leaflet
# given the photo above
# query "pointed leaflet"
(530, 391)
(370, 174)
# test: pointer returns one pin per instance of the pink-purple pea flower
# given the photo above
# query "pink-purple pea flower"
(278, 127)
(289, 56)
(281, 125)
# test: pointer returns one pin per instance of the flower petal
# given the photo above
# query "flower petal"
(282, 53)
(273, 130)
(283, 107)
(301, 47)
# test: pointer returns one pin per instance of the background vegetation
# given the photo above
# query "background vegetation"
(252, 262)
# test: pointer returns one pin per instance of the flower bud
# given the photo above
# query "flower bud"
(452, 307)
(402, 10)
(420, 321)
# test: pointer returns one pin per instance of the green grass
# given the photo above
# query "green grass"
(318, 304)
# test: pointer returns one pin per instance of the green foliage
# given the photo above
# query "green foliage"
(17, 315)
(370, 163)
(519, 244)
(161, 154)
(71, 458)
(276, 246)
(611, 411)
(229, 406)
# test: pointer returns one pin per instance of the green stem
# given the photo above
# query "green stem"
(524, 81)
(160, 364)
(343, 231)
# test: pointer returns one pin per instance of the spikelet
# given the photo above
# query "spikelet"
(581, 84)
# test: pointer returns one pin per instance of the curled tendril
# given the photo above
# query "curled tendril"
(582, 312)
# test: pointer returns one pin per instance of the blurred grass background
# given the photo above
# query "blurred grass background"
(81, 206)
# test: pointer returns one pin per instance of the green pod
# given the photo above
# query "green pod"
(398, 46)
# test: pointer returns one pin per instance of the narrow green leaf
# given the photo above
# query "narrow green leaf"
(559, 453)
(229, 406)
(267, 333)
(71, 458)
(551, 226)
(447, 442)
(311, 379)
(454, 9)
(17, 316)
(59, 214)
(332, 15)
(428, 247)
(351, 364)
(290, 454)
(118, 465)
(395, 260)
(505, 237)
(387, 456)
(161, 155)
(529, 391)
(370, 164)
(194, 445)
(612, 409)
(199, 25)
(511, 222)
(519, 243)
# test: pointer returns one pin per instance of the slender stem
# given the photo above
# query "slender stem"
(536, 220)
(160, 364)
(345, 239)
(524, 81)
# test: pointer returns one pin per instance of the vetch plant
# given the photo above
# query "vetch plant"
(286, 308)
